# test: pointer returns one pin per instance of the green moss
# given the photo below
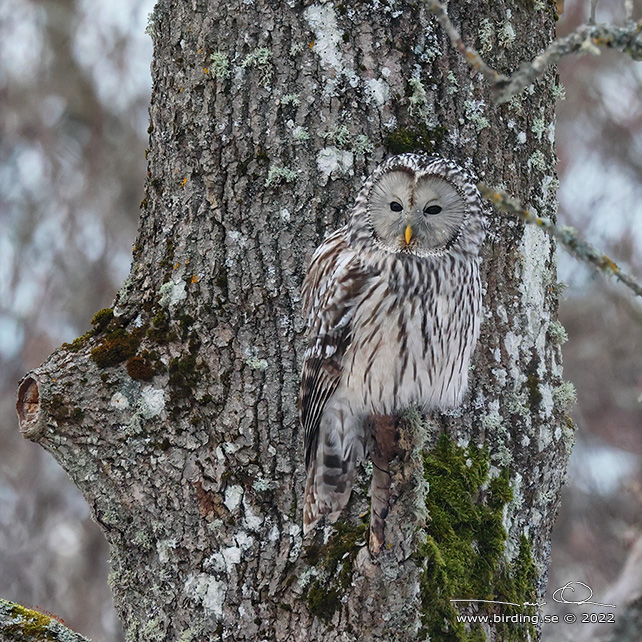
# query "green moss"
(101, 319)
(243, 166)
(416, 139)
(323, 602)
(185, 375)
(457, 520)
(186, 321)
(32, 624)
(462, 556)
(182, 370)
(160, 331)
(523, 577)
(335, 560)
(500, 492)
(116, 347)
(79, 342)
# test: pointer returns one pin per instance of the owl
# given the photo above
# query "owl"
(393, 302)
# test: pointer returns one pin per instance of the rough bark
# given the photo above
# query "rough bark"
(176, 415)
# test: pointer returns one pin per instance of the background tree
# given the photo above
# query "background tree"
(74, 99)
(331, 151)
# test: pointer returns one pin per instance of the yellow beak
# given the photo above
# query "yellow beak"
(408, 234)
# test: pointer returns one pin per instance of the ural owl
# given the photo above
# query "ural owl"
(393, 302)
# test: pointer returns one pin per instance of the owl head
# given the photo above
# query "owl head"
(421, 205)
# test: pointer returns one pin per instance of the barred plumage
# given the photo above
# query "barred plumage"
(393, 301)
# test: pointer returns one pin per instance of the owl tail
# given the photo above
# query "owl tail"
(330, 478)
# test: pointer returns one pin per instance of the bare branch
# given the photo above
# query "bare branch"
(627, 39)
(567, 236)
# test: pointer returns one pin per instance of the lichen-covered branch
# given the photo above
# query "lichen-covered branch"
(26, 625)
(626, 39)
(470, 54)
(567, 236)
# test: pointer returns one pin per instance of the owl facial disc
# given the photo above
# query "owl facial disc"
(415, 212)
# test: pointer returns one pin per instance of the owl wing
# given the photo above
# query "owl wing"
(334, 284)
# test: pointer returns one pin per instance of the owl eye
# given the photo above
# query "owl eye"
(396, 207)
(432, 209)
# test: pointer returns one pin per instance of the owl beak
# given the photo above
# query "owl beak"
(408, 234)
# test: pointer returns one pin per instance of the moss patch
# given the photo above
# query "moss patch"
(78, 343)
(101, 319)
(323, 601)
(186, 321)
(160, 331)
(186, 375)
(334, 561)
(140, 368)
(415, 139)
(116, 347)
(463, 552)
(183, 376)
(29, 623)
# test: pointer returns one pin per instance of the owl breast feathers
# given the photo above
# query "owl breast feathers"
(393, 302)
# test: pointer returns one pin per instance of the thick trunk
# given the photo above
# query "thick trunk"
(176, 416)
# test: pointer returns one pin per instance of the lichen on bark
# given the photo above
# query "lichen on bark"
(21, 624)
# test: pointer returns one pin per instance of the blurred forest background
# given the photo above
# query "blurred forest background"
(74, 93)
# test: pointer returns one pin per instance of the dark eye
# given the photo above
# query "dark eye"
(396, 207)
(432, 209)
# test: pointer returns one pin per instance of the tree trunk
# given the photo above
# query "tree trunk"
(176, 415)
